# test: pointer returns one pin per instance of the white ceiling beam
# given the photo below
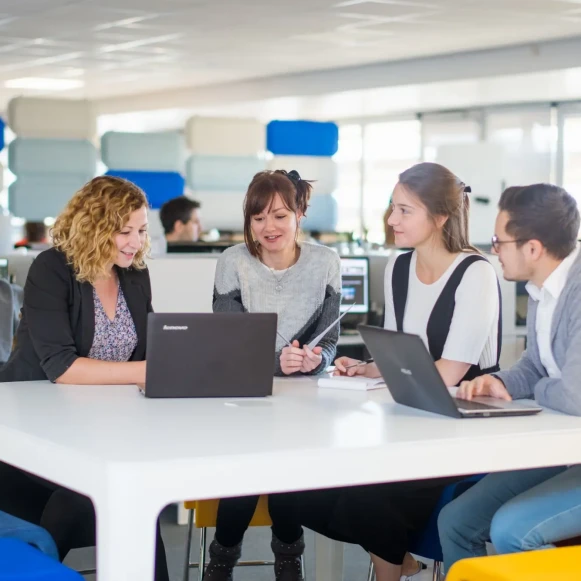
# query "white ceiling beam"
(526, 58)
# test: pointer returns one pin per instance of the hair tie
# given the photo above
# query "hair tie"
(294, 176)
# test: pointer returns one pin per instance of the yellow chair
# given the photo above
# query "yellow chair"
(203, 514)
(547, 565)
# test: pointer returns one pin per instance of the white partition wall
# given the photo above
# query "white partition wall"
(182, 283)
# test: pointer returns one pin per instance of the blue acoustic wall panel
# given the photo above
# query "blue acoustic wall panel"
(222, 173)
(36, 196)
(158, 186)
(322, 214)
(322, 170)
(164, 151)
(302, 138)
(52, 156)
(2, 142)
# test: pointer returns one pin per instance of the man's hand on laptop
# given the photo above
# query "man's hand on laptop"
(485, 385)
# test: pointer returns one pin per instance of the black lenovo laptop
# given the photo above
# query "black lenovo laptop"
(210, 355)
(413, 380)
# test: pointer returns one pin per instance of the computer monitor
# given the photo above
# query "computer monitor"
(355, 284)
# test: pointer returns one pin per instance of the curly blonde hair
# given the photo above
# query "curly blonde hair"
(85, 230)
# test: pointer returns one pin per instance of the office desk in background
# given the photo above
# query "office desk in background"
(133, 456)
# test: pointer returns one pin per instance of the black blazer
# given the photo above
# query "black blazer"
(58, 318)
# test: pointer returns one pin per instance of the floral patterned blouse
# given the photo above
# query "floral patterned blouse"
(114, 340)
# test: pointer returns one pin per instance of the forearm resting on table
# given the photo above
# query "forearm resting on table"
(452, 372)
(85, 371)
(372, 371)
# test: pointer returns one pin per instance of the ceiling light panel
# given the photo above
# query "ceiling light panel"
(190, 42)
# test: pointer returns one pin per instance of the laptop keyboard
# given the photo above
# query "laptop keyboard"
(472, 405)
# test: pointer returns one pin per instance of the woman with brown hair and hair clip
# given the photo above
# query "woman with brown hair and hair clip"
(301, 282)
(446, 292)
(84, 321)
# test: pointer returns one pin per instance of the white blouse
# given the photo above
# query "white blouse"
(473, 332)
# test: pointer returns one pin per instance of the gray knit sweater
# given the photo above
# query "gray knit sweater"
(306, 297)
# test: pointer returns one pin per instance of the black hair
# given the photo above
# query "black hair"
(180, 208)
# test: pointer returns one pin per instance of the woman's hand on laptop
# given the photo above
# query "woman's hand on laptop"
(291, 358)
(485, 385)
(312, 359)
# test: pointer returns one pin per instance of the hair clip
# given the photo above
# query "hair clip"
(294, 176)
(467, 190)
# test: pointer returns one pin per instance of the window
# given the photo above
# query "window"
(449, 129)
(348, 193)
(390, 148)
(572, 156)
(528, 138)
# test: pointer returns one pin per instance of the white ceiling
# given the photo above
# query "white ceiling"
(121, 47)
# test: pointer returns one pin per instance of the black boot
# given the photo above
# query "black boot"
(222, 561)
(287, 559)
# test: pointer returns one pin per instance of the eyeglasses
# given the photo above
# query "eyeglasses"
(496, 243)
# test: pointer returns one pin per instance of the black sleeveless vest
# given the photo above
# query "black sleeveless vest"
(443, 311)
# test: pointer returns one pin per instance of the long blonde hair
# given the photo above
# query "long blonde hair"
(85, 230)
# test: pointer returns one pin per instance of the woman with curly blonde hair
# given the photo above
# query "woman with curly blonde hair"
(84, 320)
(86, 299)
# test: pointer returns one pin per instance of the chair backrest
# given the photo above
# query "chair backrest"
(427, 543)
(206, 512)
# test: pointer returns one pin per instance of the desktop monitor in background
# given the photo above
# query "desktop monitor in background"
(355, 289)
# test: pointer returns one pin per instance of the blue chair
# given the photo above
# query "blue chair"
(16, 528)
(427, 543)
(21, 562)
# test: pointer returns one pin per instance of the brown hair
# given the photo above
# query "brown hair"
(85, 230)
(294, 192)
(542, 212)
(443, 194)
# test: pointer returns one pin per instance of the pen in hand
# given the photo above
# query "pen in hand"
(360, 363)
(289, 344)
(365, 362)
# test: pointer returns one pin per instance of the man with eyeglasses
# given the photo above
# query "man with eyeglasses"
(535, 238)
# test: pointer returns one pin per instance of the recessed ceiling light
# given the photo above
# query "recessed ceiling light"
(44, 84)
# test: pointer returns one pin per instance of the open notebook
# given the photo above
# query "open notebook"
(358, 383)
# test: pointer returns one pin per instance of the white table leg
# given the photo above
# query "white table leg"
(125, 538)
(328, 559)
(182, 514)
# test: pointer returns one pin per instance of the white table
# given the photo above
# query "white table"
(133, 456)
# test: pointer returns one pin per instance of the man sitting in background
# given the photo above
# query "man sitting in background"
(180, 220)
